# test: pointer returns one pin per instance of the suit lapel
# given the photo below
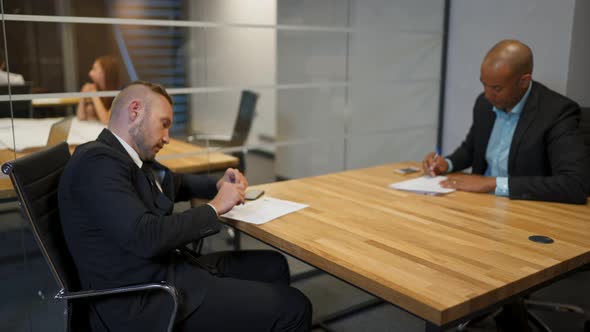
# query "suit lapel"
(526, 119)
(158, 202)
(487, 127)
(161, 200)
(482, 138)
(106, 137)
(166, 183)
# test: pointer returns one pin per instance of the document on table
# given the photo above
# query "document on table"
(425, 185)
(28, 133)
(263, 210)
(84, 131)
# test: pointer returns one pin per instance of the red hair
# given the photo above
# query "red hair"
(112, 80)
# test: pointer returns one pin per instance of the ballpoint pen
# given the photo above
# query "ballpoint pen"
(436, 156)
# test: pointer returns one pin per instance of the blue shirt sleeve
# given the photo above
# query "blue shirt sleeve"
(502, 186)
(450, 165)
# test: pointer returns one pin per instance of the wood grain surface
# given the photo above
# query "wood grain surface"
(439, 257)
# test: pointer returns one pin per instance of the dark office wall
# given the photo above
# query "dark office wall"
(92, 40)
(578, 80)
(475, 25)
(34, 49)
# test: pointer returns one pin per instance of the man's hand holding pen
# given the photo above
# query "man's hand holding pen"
(231, 191)
(434, 164)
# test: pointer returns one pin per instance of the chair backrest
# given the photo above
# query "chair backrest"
(245, 117)
(585, 126)
(584, 129)
(35, 178)
(21, 109)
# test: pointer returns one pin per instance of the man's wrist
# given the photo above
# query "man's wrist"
(449, 165)
(501, 188)
(214, 208)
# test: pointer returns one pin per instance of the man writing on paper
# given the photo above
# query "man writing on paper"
(116, 206)
(523, 142)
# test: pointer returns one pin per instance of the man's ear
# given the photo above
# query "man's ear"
(525, 80)
(134, 109)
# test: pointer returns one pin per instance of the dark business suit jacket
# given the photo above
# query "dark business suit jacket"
(122, 232)
(547, 159)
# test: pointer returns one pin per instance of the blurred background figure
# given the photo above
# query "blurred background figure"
(104, 75)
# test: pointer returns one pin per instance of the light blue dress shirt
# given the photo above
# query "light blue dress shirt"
(499, 144)
(498, 149)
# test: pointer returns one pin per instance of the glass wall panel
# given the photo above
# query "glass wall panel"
(340, 85)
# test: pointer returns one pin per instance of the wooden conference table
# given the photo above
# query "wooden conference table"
(442, 258)
(45, 102)
(179, 156)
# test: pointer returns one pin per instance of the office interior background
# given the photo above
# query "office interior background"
(342, 84)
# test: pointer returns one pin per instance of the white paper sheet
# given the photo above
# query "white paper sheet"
(263, 210)
(30, 133)
(84, 131)
(425, 185)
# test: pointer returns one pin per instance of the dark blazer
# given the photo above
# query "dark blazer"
(547, 159)
(121, 232)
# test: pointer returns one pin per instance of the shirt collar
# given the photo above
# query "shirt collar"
(132, 153)
(517, 109)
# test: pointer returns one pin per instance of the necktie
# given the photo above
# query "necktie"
(149, 173)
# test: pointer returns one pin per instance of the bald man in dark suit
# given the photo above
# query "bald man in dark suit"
(523, 142)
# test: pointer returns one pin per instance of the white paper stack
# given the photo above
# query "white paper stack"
(84, 131)
(263, 210)
(425, 185)
(28, 133)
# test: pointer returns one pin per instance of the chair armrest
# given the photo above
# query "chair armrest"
(63, 295)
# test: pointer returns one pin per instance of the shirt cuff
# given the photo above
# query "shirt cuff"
(214, 209)
(450, 169)
(502, 186)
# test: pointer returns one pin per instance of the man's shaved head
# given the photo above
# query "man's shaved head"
(141, 115)
(506, 73)
(513, 54)
(136, 90)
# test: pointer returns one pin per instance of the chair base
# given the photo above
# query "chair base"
(463, 326)
(533, 318)
(539, 324)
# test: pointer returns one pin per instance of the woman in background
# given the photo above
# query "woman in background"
(104, 75)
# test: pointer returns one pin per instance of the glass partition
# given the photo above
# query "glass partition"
(339, 85)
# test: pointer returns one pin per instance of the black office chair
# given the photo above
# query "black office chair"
(244, 119)
(585, 127)
(21, 108)
(35, 179)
